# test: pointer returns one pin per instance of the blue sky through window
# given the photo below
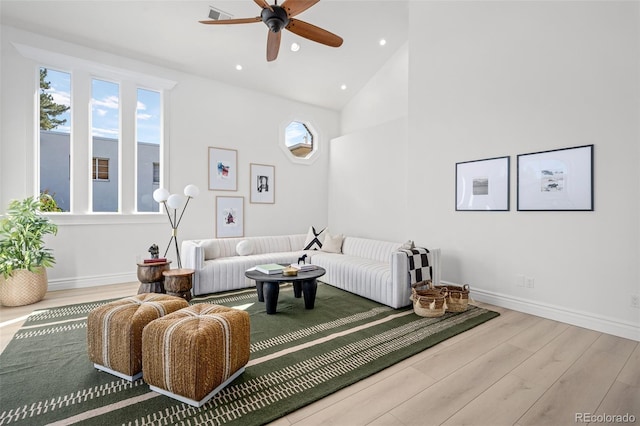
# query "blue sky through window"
(105, 108)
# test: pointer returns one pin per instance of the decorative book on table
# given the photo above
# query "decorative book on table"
(270, 268)
(159, 260)
(303, 266)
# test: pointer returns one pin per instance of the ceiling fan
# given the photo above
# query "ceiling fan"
(278, 17)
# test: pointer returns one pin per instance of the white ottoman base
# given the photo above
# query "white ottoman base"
(117, 373)
(203, 400)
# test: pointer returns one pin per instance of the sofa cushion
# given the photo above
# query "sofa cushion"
(211, 249)
(332, 243)
(244, 248)
(314, 239)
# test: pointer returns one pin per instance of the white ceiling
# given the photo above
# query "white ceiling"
(167, 33)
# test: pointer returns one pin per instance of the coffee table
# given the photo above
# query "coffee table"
(268, 286)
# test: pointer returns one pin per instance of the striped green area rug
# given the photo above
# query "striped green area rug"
(297, 357)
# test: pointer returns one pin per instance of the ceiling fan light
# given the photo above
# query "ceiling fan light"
(295, 47)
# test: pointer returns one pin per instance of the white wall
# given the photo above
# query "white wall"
(490, 79)
(384, 97)
(94, 250)
(368, 175)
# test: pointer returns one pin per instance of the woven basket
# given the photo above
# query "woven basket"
(428, 302)
(457, 297)
(23, 287)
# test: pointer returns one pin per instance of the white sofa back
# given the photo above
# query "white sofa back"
(369, 249)
(226, 247)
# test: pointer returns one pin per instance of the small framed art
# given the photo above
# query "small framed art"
(560, 179)
(262, 183)
(483, 185)
(223, 173)
(229, 217)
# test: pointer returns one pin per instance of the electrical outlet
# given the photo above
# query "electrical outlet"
(529, 282)
(635, 301)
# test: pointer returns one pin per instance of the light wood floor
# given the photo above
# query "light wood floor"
(516, 369)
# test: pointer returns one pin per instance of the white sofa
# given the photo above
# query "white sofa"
(369, 268)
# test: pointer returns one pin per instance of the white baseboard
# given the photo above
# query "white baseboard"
(91, 281)
(600, 323)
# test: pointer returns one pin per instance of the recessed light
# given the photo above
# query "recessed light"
(343, 87)
(382, 42)
(295, 47)
(239, 67)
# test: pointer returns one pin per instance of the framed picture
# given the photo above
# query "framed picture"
(229, 217)
(223, 173)
(263, 183)
(483, 185)
(560, 179)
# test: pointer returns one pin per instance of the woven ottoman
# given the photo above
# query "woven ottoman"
(192, 354)
(114, 331)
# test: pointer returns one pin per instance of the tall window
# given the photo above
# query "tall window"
(105, 130)
(55, 137)
(148, 136)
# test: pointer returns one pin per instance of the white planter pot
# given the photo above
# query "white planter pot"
(23, 287)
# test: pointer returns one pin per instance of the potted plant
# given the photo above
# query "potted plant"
(23, 257)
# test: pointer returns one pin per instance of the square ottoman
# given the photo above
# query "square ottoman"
(192, 354)
(114, 331)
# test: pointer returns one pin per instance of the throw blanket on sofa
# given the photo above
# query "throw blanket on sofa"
(419, 268)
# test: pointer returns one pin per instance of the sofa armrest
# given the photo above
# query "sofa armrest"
(192, 255)
(400, 267)
(435, 262)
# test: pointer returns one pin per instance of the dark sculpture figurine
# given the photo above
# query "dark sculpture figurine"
(302, 259)
(154, 251)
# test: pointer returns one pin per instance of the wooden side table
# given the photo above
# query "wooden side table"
(151, 278)
(178, 282)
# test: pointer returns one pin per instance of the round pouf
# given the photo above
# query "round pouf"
(114, 331)
(193, 353)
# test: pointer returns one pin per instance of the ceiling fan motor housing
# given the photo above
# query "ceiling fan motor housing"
(275, 19)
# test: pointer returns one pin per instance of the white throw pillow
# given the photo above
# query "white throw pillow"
(332, 243)
(314, 239)
(244, 248)
(408, 245)
(211, 249)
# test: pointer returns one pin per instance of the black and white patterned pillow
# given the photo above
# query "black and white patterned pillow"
(314, 239)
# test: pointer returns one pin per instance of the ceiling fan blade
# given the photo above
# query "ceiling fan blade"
(273, 45)
(233, 21)
(263, 4)
(295, 7)
(311, 32)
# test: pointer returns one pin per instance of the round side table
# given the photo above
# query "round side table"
(178, 282)
(151, 278)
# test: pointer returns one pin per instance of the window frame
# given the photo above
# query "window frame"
(316, 135)
(82, 71)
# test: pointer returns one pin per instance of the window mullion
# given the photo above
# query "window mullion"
(128, 94)
(81, 169)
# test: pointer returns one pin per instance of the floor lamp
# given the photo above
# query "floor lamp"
(173, 202)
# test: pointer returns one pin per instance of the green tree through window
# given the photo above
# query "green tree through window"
(49, 110)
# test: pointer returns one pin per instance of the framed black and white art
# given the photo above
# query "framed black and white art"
(560, 179)
(483, 185)
(263, 183)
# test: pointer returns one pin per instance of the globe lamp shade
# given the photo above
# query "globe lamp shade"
(175, 201)
(160, 195)
(191, 191)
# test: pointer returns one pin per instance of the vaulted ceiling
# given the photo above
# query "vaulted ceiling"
(167, 33)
